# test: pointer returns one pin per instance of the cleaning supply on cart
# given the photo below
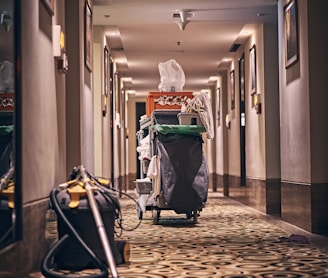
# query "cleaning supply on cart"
(189, 119)
(154, 172)
(7, 77)
(201, 104)
(143, 190)
(172, 76)
(144, 149)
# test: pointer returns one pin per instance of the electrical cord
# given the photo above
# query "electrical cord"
(5, 184)
(110, 189)
(5, 239)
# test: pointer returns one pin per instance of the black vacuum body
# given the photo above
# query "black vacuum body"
(6, 220)
(72, 255)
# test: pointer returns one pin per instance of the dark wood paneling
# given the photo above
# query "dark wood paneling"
(319, 200)
(296, 204)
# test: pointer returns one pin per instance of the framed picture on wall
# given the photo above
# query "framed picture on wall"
(88, 35)
(290, 33)
(242, 78)
(106, 71)
(232, 82)
(252, 57)
(49, 5)
(218, 96)
(106, 83)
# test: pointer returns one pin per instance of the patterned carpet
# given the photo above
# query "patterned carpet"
(228, 240)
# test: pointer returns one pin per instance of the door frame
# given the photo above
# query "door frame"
(242, 114)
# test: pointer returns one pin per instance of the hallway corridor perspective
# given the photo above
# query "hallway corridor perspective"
(229, 240)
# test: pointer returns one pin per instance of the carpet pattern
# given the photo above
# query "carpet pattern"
(229, 240)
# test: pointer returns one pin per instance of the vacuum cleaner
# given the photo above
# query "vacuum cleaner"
(86, 211)
(7, 207)
(7, 186)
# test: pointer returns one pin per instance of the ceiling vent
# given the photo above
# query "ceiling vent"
(183, 16)
(234, 47)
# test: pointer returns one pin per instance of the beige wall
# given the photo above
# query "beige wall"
(262, 130)
(294, 106)
(255, 139)
(50, 127)
(304, 100)
(233, 147)
(221, 134)
(255, 128)
(270, 100)
(102, 126)
(41, 168)
(131, 123)
(79, 95)
(97, 89)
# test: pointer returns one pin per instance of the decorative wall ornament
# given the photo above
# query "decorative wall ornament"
(88, 35)
(290, 33)
(252, 57)
(232, 82)
(218, 96)
(171, 100)
(7, 102)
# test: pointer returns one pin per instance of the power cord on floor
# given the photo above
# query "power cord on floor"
(110, 189)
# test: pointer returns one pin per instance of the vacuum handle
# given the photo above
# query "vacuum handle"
(99, 223)
(6, 178)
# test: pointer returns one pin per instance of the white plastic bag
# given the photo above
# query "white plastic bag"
(6, 77)
(172, 76)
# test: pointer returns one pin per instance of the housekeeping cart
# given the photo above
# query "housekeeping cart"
(177, 176)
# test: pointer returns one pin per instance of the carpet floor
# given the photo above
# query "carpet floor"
(228, 240)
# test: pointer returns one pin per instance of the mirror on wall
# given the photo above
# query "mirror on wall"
(7, 127)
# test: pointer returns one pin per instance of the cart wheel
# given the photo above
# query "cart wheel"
(156, 216)
(139, 213)
(195, 216)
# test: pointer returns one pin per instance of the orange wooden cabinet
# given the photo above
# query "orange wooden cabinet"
(166, 100)
(7, 102)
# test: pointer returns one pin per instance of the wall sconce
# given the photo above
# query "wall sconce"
(62, 63)
(58, 46)
(117, 120)
(258, 108)
(104, 105)
(228, 120)
(257, 103)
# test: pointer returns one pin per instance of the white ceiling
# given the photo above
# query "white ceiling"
(143, 33)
